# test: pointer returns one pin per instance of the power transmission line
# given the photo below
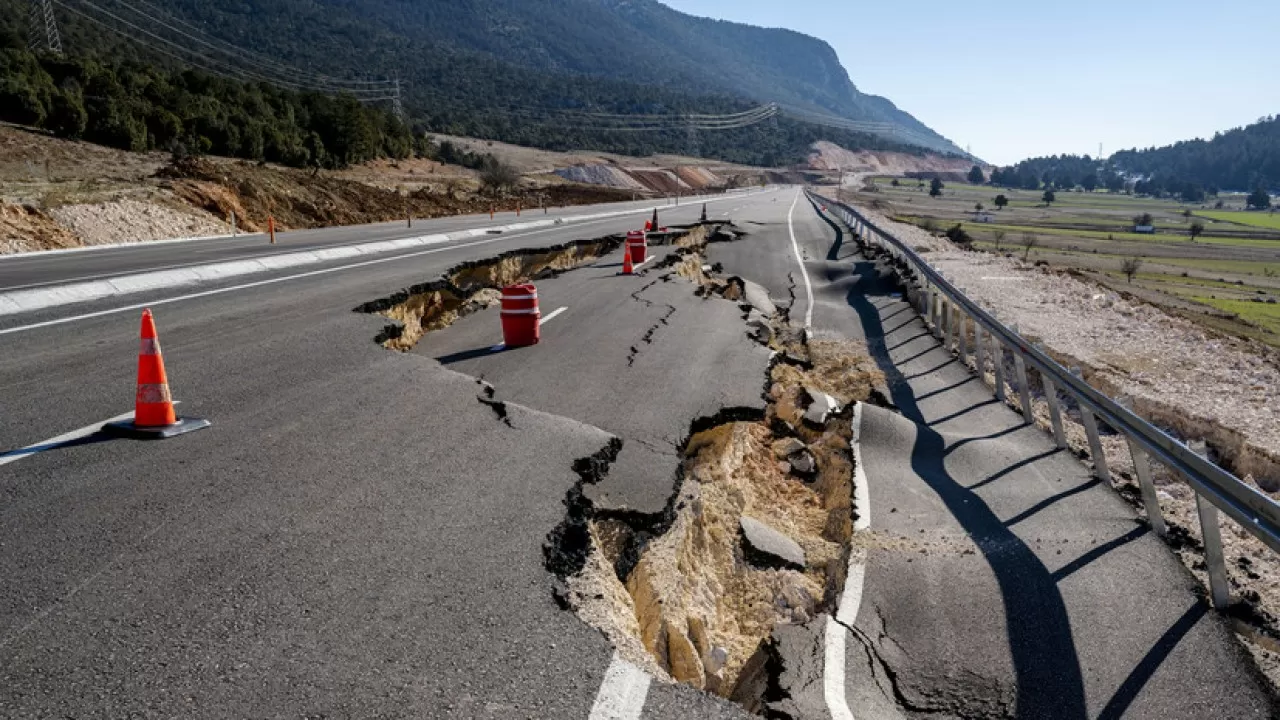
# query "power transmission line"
(236, 68)
(256, 61)
(42, 28)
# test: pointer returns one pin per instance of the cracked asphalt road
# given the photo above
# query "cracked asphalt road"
(359, 536)
(639, 356)
(1001, 580)
(356, 535)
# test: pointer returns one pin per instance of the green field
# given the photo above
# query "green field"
(1268, 220)
(1261, 314)
(1212, 280)
(1100, 235)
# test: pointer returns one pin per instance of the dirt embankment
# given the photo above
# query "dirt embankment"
(303, 200)
(57, 193)
(830, 157)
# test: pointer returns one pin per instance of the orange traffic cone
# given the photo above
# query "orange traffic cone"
(627, 267)
(153, 416)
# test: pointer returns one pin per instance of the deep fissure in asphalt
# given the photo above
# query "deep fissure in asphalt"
(686, 593)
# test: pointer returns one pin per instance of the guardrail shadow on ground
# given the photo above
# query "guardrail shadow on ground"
(1046, 664)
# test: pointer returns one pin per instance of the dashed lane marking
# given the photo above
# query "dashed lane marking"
(623, 692)
(552, 316)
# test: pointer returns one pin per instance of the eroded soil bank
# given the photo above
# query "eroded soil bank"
(756, 533)
(475, 285)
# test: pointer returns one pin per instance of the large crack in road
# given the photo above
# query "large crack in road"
(755, 532)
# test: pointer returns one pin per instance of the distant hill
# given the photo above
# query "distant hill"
(1241, 159)
(640, 41)
(503, 69)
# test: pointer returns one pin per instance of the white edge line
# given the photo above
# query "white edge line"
(48, 295)
(52, 443)
(836, 634)
(622, 693)
(272, 281)
(795, 246)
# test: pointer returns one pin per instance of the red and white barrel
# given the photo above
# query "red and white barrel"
(521, 317)
(638, 246)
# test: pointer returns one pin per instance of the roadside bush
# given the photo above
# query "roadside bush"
(958, 236)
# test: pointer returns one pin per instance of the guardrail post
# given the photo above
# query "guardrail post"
(1055, 408)
(1142, 468)
(1211, 533)
(997, 359)
(1090, 423)
(979, 353)
(960, 334)
(1024, 390)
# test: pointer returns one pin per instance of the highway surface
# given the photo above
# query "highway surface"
(360, 534)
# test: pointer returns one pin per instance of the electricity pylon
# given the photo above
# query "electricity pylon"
(42, 28)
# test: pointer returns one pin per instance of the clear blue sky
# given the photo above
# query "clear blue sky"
(1022, 78)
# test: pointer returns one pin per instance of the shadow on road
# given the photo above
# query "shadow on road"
(1046, 664)
(471, 354)
(94, 439)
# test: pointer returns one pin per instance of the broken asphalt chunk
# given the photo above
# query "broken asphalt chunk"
(821, 407)
(757, 297)
(768, 547)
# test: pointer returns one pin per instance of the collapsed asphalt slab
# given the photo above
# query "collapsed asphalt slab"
(639, 356)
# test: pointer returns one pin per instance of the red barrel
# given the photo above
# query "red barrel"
(521, 318)
(636, 241)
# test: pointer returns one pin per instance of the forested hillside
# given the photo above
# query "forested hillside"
(1239, 159)
(1243, 159)
(136, 93)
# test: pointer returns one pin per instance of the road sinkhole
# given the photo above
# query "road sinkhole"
(755, 536)
(756, 533)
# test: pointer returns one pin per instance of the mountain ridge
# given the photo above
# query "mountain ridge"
(635, 41)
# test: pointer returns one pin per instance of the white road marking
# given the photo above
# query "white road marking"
(272, 281)
(52, 443)
(623, 692)
(55, 442)
(833, 675)
(48, 295)
(552, 316)
(795, 245)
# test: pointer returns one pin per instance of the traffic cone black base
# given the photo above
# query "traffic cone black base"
(127, 429)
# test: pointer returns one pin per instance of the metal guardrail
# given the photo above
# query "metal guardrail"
(946, 307)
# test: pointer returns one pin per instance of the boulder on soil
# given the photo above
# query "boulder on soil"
(803, 464)
(787, 447)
